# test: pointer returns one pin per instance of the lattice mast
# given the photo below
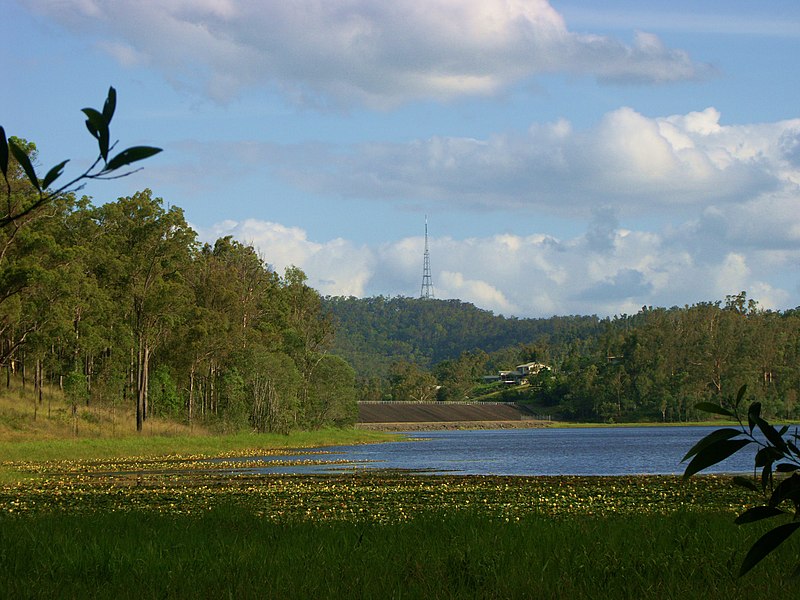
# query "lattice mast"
(426, 290)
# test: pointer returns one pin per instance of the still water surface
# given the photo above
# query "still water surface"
(578, 451)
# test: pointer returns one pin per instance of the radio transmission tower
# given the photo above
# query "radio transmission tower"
(426, 291)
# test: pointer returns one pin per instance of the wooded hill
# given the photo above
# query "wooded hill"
(652, 366)
(373, 333)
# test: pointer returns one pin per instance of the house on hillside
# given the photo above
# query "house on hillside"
(531, 368)
(516, 376)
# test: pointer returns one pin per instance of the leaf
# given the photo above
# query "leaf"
(766, 544)
(3, 152)
(740, 396)
(110, 105)
(131, 155)
(767, 455)
(786, 468)
(753, 414)
(716, 409)
(98, 126)
(771, 434)
(757, 513)
(715, 436)
(712, 454)
(789, 489)
(25, 163)
(746, 482)
(53, 174)
(793, 448)
(766, 476)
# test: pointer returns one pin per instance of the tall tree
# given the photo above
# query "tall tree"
(149, 250)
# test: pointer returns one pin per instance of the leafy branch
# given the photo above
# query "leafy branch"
(778, 457)
(103, 167)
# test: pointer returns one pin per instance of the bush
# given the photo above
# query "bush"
(778, 484)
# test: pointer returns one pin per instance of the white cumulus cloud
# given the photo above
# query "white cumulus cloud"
(345, 52)
(535, 275)
(635, 163)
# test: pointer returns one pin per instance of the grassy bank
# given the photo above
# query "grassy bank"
(33, 432)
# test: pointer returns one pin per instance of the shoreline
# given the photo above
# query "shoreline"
(453, 425)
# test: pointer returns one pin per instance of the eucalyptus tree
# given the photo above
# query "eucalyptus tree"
(307, 332)
(410, 383)
(148, 251)
(234, 314)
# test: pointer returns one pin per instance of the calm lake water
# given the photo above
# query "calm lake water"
(579, 451)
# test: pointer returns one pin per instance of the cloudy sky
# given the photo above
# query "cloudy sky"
(570, 159)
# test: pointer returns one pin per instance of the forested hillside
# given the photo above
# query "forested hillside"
(652, 366)
(373, 333)
(120, 304)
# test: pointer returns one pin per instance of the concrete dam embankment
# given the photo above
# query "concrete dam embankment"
(411, 415)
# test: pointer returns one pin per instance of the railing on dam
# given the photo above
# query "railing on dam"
(437, 403)
(523, 408)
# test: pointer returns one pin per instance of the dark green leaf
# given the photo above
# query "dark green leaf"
(793, 448)
(758, 513)
(789, 489)
(746, 482)
(131, 155)
(98, 126)
(771, 434)
(767, 455)
(110, 105)
(715, 436)
(753, 414)
(95, 119)
(766, 475)
(25, 163)
(3, 152)
(740, 396)
(53, 174)
(766, 544)
(712, 454)
(716, 409)
(786, 468)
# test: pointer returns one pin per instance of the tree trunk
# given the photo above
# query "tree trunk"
(190, 404)
(142, 360)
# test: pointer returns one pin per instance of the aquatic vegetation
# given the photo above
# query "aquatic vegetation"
(191, 485)
(180, 528)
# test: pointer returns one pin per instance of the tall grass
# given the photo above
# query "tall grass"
(49, 431)
(228, 553)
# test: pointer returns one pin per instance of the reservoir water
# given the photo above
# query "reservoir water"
(556, 451)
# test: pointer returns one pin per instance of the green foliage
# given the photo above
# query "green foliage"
(409, 383)
(777, 456)
(164, 397)
(373, 333)
(76, 388)
(656, 365)
(332, 396)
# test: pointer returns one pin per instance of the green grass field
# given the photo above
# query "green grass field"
(108, 514)
(155, 529)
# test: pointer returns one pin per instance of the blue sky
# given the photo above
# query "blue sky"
(570, 159)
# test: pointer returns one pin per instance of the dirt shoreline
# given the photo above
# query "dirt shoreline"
(447, 425)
